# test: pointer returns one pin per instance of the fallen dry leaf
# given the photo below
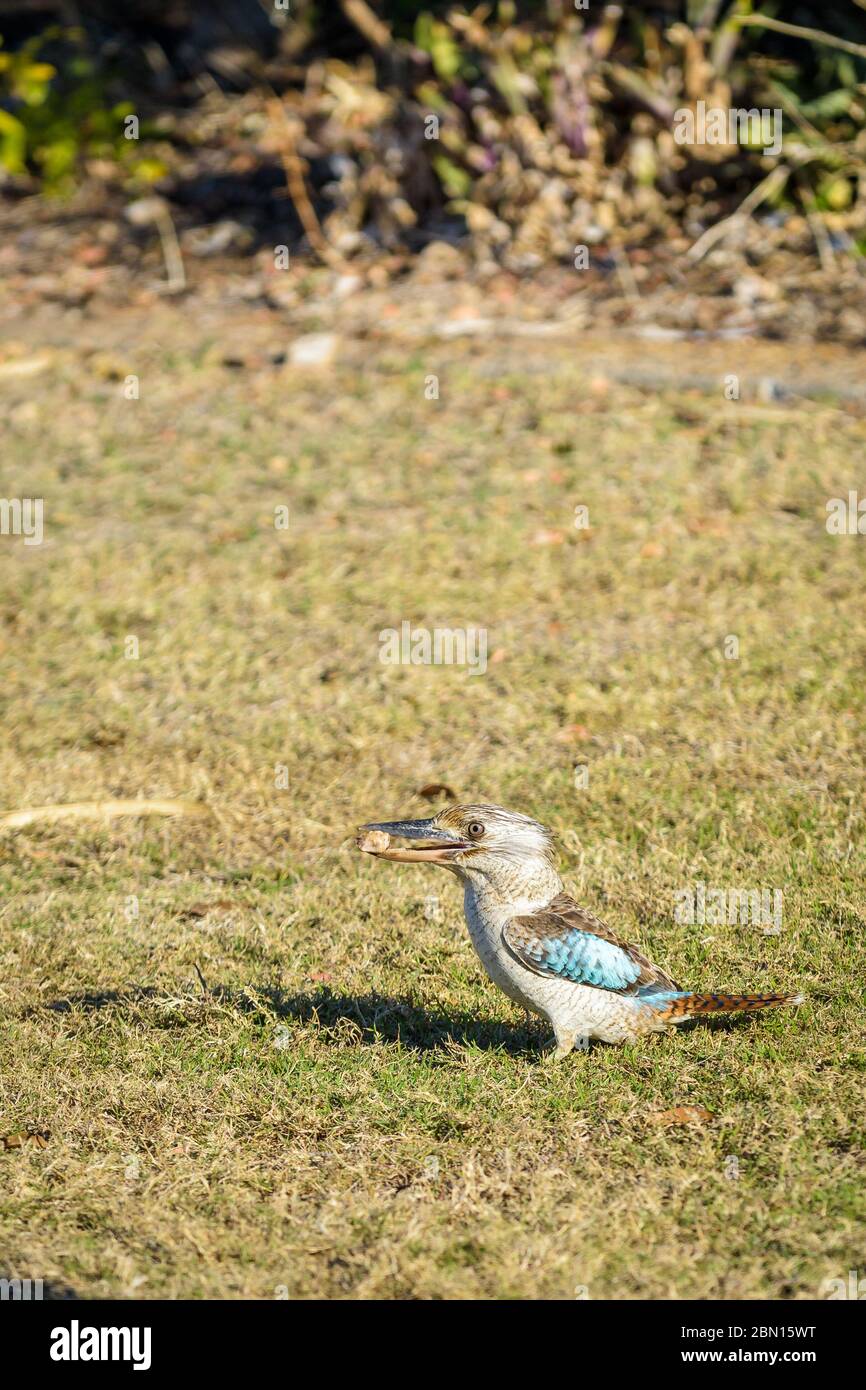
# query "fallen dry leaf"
(202, 909)
(706, 525)
(552, 537)
(433, 790)
(37, 1137)
(571, 733)
(680, 1115)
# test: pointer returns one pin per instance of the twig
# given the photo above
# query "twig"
(849, 243)
(635, 86)
(625, 274)
(773, 183)
(154, 211)
(294, 171)
(791, 109)
(171, 251)
(81, 810)
(799, 31)
(377, 33)
(819, 231)
(822, 240)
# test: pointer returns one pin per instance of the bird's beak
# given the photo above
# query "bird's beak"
(441, 851)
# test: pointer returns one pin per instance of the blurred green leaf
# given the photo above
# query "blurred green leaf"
(149, 170)
(456, 181)
(829, 106)
(13, 144)
(50, 117)
(437, 39)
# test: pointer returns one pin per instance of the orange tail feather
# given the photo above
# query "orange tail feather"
(696, 1005)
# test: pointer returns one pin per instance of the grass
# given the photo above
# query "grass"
(270, 1067)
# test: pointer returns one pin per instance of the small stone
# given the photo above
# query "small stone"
(347, 285)
(212, 241)
(378, 276)
(314, 350)
(751, 289)
(90, 254)
(144, 211)
(467, 328)
(439, 261)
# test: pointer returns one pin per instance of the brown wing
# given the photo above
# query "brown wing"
(566, 941)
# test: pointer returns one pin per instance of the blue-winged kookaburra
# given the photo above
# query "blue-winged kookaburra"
(547, 953)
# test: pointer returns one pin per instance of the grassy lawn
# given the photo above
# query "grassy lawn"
(270, 1066)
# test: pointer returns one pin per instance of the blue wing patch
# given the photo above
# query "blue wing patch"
(565, 941)
(581, 957)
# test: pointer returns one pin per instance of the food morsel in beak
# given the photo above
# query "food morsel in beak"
(373, 841)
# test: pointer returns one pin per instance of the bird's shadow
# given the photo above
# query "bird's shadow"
(381, 1018)
(374, 1018)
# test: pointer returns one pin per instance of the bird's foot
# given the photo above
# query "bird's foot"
(565, 1043)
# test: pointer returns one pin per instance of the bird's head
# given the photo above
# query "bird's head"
(470, 840)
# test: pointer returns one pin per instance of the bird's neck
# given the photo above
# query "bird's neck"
(513, 890)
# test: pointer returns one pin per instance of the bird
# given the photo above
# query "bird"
(546, 952)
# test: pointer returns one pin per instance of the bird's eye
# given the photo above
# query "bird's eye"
(475, 830)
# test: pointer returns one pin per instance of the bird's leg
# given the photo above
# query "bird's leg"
(565, 1042)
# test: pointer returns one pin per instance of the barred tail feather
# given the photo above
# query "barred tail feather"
(686, 1006)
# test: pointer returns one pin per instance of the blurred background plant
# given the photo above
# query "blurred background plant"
(528, 128)
(56, 112)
